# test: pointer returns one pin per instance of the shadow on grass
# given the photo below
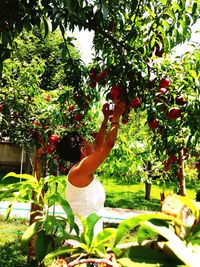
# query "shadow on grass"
(129, 200)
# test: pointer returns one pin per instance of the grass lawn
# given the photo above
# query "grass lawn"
(12, 229)
(132, 196)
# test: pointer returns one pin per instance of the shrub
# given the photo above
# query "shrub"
(13, 255)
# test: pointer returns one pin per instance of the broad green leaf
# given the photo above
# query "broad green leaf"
(147, 256)
(56, 198)
(43, 245)
(20, 176)
(31, 231)
(175, 244)
(104, 236)
(100, 251)
(184, 253)
(131, 223)
(92, 219)
(195, 232)
(144, 233)
(126, 262)
(67, 209)
(61, 251)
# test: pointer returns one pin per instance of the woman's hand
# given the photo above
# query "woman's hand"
(106, 111)
(119, 109)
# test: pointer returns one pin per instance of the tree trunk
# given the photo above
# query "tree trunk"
(181, 174)
(38, 170)
(147, 184)
(147, 190)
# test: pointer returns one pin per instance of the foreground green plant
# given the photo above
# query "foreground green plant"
(176, 239)
(178, 236)
(168, 237)
(48, 229)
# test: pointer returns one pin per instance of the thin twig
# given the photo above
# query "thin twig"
(108, 262)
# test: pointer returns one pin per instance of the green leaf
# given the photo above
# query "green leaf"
(61, 251)
(43, 245)
(20, 176)
(175, 244)
(147, 256)
(134, 4)
(8, 211)
(164, 2)
(88, 228)
(194, 9)
(67, 209)
(31, 231)
(104, 236)
(131, 223)
(46, 27)
(144, 233)
(92, 219)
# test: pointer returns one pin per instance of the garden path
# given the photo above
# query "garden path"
(112, 215)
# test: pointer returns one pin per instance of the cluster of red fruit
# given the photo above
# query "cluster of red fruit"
(75, 116)
(51, 146)
(98, 77)
(116, 93)
(174, 112)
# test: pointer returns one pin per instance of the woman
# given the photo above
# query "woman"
(85, 193)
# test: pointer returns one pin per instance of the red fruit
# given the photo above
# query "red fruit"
(153, 124)
(71, 108)
(115, 91)
(41, 152)
(172, 159)
(174, 113)
(197, 165)
(92, 73)
(104, 73)
(50, 149)
(92, 84)
(36, 123)
(166, 167)
(78, 117)
(97, 79)
(63, 169)
(54, 138)
(164, 83)
(1, 107)
(180, 100)
(124, 121)
(163, 90)
(135, 103)
(47, 97)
